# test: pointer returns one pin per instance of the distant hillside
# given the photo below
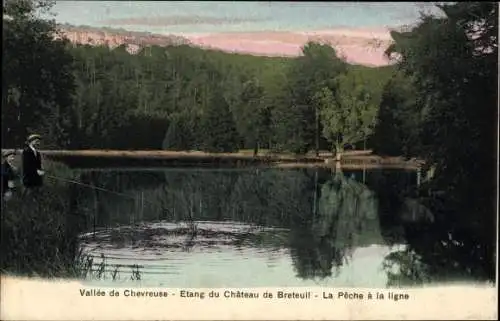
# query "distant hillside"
(115, 37)
(357, 47)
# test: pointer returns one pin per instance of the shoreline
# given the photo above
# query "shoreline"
(97, 158)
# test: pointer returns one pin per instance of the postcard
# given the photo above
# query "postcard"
(249, 160)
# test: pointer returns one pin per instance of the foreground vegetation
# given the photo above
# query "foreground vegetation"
(39, 231)
(437, 104)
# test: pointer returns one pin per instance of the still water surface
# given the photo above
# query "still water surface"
(260, 227)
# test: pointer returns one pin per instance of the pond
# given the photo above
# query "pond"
(265, 228)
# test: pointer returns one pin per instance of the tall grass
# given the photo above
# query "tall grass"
(39, 232)
(86, 269)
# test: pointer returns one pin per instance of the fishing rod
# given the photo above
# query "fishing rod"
(112, 192)
(191, 219)
(91, 186)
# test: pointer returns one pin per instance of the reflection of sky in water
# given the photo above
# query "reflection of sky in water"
(246, 267)
(222, 264)
(346, 231)
(250, 16)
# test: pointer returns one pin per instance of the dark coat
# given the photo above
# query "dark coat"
(8, 174)
(31, 163)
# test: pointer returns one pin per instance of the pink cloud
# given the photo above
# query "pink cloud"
(359, 46)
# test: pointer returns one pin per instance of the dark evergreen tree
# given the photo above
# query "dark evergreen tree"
(218, 130)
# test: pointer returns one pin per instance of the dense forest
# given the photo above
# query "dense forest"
(180, 97)
(187, 98)
(437, 103)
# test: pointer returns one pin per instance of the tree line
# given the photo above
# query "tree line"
(441, 106)
(187, 98)
(179, 97)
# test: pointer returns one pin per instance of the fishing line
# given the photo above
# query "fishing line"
(136, 198)
(91, 186)
(191, 219)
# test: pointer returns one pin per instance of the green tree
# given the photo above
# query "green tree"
(218, 130)
(299, 121)
(399, 119)
(38, 82)
(179, 135)
(454, 61)
(252, 124)
(348, 116)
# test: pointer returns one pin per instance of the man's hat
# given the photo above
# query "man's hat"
(33, 137)
(8, 153)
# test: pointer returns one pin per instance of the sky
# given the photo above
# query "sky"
(355, 29)
(181, 17)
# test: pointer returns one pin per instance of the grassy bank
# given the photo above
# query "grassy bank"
(39, 232)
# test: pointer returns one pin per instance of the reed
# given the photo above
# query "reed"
(85, 268)
(39, 233)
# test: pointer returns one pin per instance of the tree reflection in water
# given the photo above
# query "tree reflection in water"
(328, 215)
(344, 217)
(441, 246)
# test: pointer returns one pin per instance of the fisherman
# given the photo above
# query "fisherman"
(32, 163)
(9, 174)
